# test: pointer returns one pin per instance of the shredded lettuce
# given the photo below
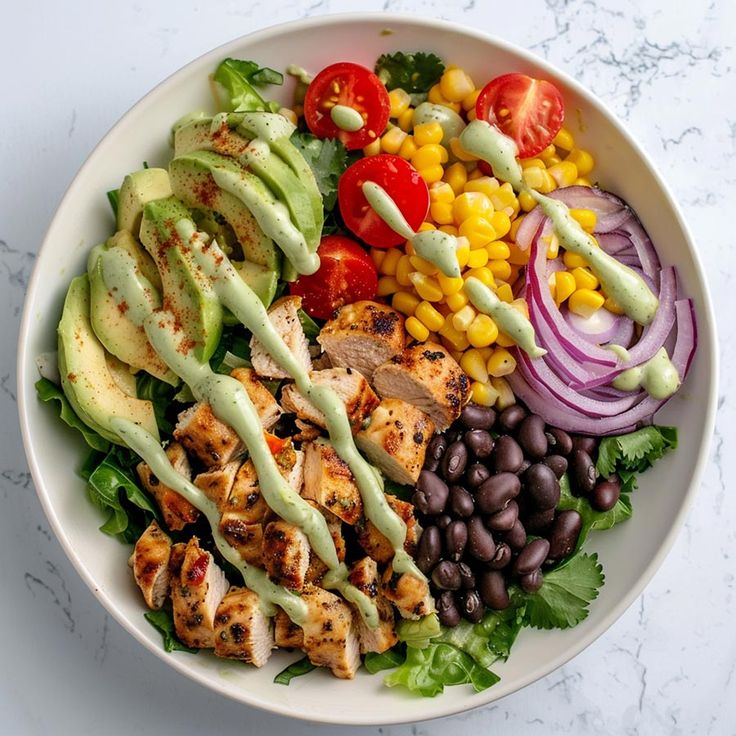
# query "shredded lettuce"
(413, 72)
(296, 669)
(236, 82)
(418, 633)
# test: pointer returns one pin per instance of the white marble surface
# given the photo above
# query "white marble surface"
(70, 70)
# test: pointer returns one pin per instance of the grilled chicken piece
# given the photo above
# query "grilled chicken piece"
(286, 554)
(427, 376)
(263, 400)
(150, 562)
(246, 538)
(376, 545)
(329, 482)
(245, 499)
(364, 576)
(196, 594)
(362, 336)
(330, 639)
(317, 568)
(241, 629)
(287, 634)
(176, 510)
(307, 432)
(284, 316)
(408, 593)
(217, 483)
(350, 386)
(396, 440)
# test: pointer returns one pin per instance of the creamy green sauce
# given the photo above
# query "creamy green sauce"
(451, 123)
(137, 294)
(300, 73)
(620, 352)
(346, 118)
(657, 376)
(266, 126)
(489, 144)
(384, 206)
(508, 319)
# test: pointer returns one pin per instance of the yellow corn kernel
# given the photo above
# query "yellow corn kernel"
(474, 366)
(429, 154)
(531, 163)
(585, 302)
(583, 181)
(459, 152)
(582, 160)
(456, 85)
(377, 256)
(501, 223)
(504, 341)
(533, 176)
(473, 171)
(392, 139)
(405, 120)
(573, 260)
(564, 140)
(587, 219)
(405, 303)
(432, 174)
(527, 202)
(564, 286)
(504, 197)
(373, 148)
(387, 285)
(449, 229)
(429, 316)
(613, 306)
(453, 338)
(462, 319)
(483, 394)
(462, 251)
(408, 148)
(426, 133)
(426, 226)
(456, 354)
(441, 212)
(515, 224)
(423, 266)
(551, 161)
(482, 331)
(436, 97)
(485, 352)
(416, 329)
(504, 293)
(441, 191)
(486, 184)
(399, 100)
(472, 115)
(498, 250)
(403, 269)
(500, 270)
(426, 286)
(584, 279)
(506, 396)
(289, 114)
(390, 261)
(457, 300)
(456, 175)
(478, 230)
(553, 245)
(517, 256)
(468, 204)
(450, 285)
(483, 274)
(501, 363)
(564, 173)
(478, 258)
(470, 100)
(548, 182)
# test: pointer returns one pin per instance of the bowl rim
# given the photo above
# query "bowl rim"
(440, 707)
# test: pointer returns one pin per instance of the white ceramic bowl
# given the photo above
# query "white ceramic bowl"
(630, 553)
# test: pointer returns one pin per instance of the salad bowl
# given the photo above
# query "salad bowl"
(630, 554)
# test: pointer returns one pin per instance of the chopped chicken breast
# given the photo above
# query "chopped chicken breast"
(241, 629)
(150, 562)
(376, 545)
(286, 553)
(408, 593)
(217, 483)
(287, 634)
(364, 576)
(263, 400)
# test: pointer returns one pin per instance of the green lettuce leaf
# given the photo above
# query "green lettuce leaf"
(418, 633)
(160, 394)
(237, 81)
(389, 659)
(113, 196)
(163, 621)
(296, 669)
(327, 158)
(310, 327)
(414, 72)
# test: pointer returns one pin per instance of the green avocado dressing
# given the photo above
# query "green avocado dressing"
(489, 144)
(347, 118)
(657, 376)
(137, 293)
(620, 352)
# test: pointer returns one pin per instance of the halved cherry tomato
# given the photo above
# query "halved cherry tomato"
(346, 274)
(400, 180)
(354, 86)
(528, 110)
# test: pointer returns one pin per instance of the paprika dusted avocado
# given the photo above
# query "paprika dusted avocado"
(136, 190)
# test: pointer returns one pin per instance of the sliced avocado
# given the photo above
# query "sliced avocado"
(187, 292)
(85, 377)
(121, 374)
(194, 136)
(113, 327)
(184, 120)
(262, 280)
(137, 189)
(217, 227)
(192, 181)
(128, 242)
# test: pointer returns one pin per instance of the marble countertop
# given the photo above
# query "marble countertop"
(71, 69)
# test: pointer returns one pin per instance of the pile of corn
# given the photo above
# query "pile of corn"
(485, 215)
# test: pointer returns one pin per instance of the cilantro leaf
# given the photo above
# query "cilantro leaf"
(636, 451)
(296, 669)
(389, 659)
(327, 158)
(566, 593)
(236, 81)
(163, 622)
(413, 72)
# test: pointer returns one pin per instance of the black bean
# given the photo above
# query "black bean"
(563, 441)
(446, 576)
(472, 606)
(442, 521)
(476, 474)
(447, 610)
(435, 451)
(492, 589)
(431, 494)
(461, 502)
(511, 417)
(479, 442)
(467, 576)
(563, 536)
(586, 444)
(507, 455)
(429, 549)
(523, 467)
(480, 542)
(516, 536)
(456, 537)
(501, 558)
(474, 416)
(532, 581)
(606, 494)
(558, 463)
(538, 521)
(454, 462)
(531, 557)
(496, 492)
(583, 473)
(504, 519)
(542, 486)
(532, 438)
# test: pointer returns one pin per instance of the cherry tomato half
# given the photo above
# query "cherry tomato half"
(528, 110)
(346, 274)
(400, 180)
(354, 86)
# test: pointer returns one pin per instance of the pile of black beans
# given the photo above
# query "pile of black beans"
(487, 501)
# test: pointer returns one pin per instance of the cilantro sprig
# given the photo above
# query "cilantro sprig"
(413, 72)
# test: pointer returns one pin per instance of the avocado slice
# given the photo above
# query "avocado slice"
(121, 374)
(113, 327)
(136, 190)
(193, 136)
(262, 280)
(187, 292)
(85, 377)
(128, 242)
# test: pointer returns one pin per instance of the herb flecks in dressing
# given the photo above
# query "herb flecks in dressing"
(657, 376)
(347, 118)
